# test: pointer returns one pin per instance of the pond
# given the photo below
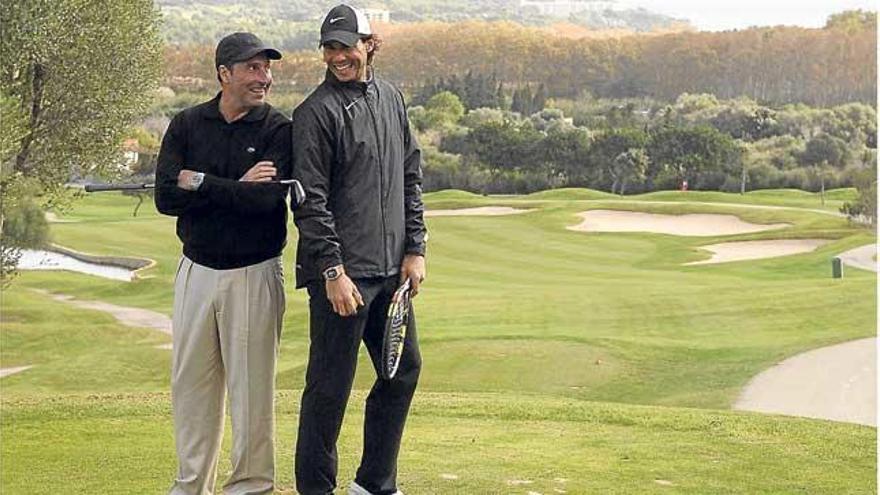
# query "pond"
(49, 260)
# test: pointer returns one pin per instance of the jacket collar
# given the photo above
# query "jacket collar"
(359, 85)
(211, 110)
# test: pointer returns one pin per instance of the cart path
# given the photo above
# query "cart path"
(838, 382)
(4, 372)
(130, 317)
(861, 257)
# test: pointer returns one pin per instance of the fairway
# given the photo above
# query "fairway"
(587, 362)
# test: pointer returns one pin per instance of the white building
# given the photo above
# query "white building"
(377, 15)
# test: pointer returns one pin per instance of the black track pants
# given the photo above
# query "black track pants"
(333, 352)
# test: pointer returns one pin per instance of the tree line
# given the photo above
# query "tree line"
(291, 24)
(630, 146)
(819, 67)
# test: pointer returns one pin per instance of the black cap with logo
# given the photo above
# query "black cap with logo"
(346, 25)
(238, 47)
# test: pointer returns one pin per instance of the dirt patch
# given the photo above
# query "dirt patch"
(697, 225)
(482, 211)
(754, 250)
(838, 382)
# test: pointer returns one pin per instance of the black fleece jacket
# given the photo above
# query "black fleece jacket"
(225, 223)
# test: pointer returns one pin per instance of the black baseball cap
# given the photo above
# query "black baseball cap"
(238, 47)
(346, 25)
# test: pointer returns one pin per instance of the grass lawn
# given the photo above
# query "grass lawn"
(549, 354)
(461, 444)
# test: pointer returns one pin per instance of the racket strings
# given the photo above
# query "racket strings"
(394, 338)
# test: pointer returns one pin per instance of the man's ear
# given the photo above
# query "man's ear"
(370, 45)
(223, 74)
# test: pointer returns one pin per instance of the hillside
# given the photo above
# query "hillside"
(764, 64)
(290, 24)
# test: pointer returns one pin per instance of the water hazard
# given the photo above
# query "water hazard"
(48, 260)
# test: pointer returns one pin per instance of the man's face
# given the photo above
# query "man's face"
(347, 63)
(248, 82)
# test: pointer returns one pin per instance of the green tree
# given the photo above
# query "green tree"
(523, 101)
(865, 205)
(566, 153)
(748, 124)
(78, 72)
(444, 109)
(482, 115)
(691, 153)
(608, 148)
(855, 123)
(852, 20)
(550, 119)
(821, 172)
(13, 194)
(503, 146)
(539, 99)
(631, 164)
(826, 149)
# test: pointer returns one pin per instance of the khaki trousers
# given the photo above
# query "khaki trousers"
(226, 331)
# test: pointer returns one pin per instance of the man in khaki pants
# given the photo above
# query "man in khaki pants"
(218, 173)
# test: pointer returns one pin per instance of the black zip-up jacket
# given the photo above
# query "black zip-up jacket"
(225, 223)
(361, 169)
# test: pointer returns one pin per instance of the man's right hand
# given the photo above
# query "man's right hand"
(344, 295)
(261, 172)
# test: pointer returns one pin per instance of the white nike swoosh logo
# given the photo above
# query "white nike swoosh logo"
(352, 103)
(336, 19)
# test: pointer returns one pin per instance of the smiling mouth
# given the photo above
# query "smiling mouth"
(343, 67)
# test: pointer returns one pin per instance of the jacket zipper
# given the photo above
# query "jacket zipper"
(381, 177)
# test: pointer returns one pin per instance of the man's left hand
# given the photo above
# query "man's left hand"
(413, 268)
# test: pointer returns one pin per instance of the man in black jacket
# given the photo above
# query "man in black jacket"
(361, 233)
(217, 173)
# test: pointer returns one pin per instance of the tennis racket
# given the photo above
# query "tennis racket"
(395, 330)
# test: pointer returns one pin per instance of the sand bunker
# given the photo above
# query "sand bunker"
(755, 250)
(483, 211)
(699, 225)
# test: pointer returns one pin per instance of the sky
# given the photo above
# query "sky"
(721, 15)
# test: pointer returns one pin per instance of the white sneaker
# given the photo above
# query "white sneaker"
(355, 489)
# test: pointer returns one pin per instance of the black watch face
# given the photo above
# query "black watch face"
(331, 274)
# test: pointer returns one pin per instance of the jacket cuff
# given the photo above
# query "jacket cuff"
(327, 261)
(209, 183)
(418, 249)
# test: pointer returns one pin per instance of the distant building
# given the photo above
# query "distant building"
(130, 154)
(377, 15)
(565, 8)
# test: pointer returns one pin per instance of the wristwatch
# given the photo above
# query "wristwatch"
(333, 272)
(195, 181)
